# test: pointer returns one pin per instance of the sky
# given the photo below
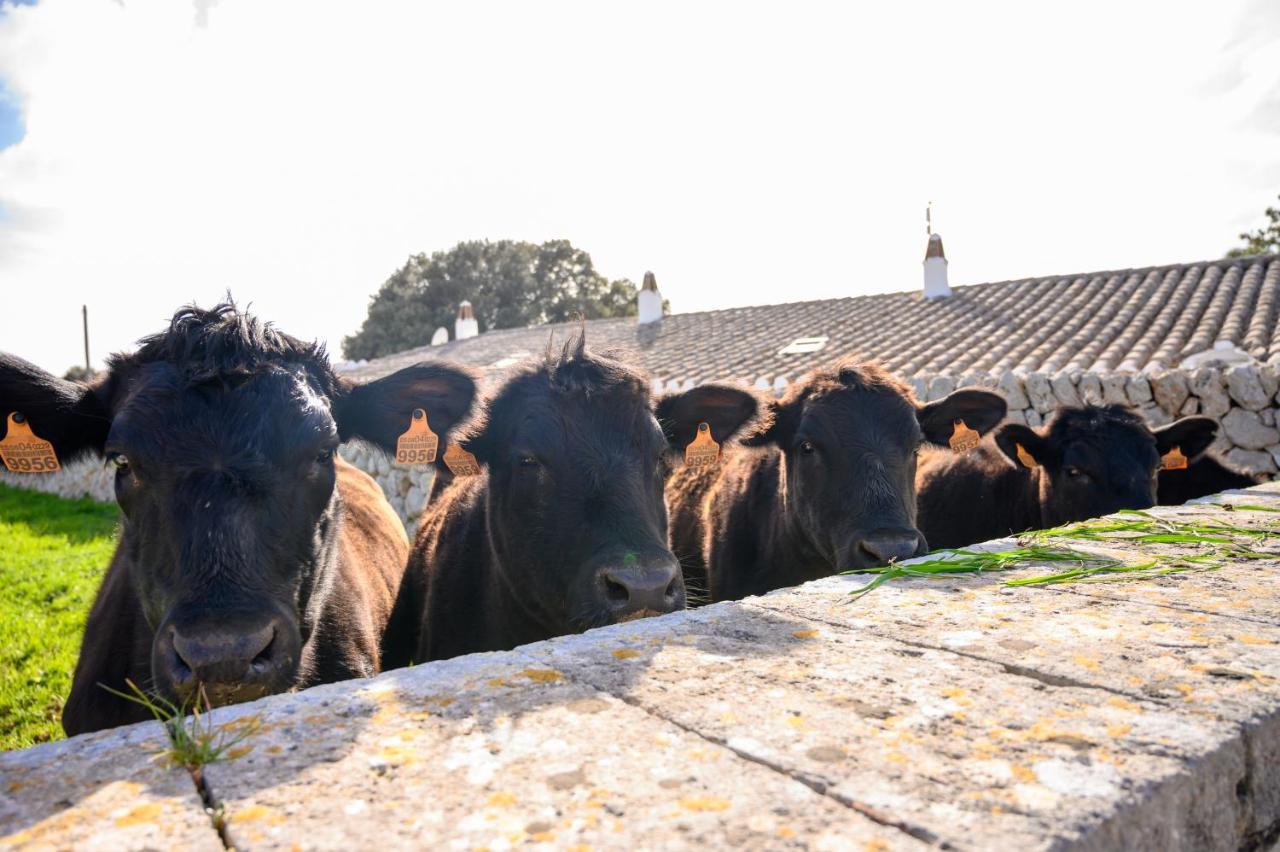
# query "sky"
(296, 153)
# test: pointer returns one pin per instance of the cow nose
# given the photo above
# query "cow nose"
(879, 547)
(236, 659)
(631, 590)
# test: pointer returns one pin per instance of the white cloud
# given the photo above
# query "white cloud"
(296, 153)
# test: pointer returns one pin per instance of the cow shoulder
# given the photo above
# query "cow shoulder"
(452, 576)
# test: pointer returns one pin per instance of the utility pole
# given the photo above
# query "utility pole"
(84, 312)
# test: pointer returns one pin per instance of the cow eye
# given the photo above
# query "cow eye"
(1076, 473)
(528, 461)
(120, 460)
(807, 448)
(326, 456)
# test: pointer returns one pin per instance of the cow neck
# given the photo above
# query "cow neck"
(1037, 495)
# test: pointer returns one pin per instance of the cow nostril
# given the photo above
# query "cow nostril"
(671, 589)
(615, 591)
(263, 660)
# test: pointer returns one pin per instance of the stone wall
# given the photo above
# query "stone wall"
(1242, 398)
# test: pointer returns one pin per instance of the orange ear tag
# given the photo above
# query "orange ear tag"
(25, 452)
(1173, 460)
(702, 450)
(418, 444)
(460, 462)
(1025, 457)
(963, 439)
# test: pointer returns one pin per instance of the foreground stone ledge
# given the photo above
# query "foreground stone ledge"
(954, 712)
(492, 751)
(105, 791)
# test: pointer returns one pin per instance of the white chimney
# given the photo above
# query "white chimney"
(466, 326)
(935, 270)
(650, 308)
(441, 336)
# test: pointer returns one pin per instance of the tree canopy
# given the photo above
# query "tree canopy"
(1262, 241)
(509, 283)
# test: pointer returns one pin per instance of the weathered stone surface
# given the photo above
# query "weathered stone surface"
(104, 791)
(1138, 389)
(1090, 388)
(1170, 390)
(1034, 419)
(500, 750)
(1251, 461)
(1113, 389)
(1209, 386)
(1270, 379)
(1011, 387)
(940, 387)
(1244, 384)
(1190, 407)
(1246, 430)
(1155, 416)
(1040, 392)
(1017, 416)
(1064, 389)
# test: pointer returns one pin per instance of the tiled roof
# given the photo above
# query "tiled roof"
(1120, 321)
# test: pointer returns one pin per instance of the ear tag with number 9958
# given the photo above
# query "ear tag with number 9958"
(25, 452)
(418, 444)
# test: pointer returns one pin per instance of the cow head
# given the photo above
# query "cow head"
(222, 433)
(849, 435)
(577, 462)
(1095, 460)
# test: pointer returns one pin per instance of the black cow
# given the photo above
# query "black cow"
(565, 528)
(251, 559)
(827, 485)
(1203, 476)
(1088, 461)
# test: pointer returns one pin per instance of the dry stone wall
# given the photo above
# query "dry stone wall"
(1242, 398)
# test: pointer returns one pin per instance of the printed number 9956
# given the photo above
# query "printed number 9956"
(415, 456)
(32, 465)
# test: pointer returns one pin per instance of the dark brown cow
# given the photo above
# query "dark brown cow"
(1088, 461)
(829, 486)
(251, 559)
(565, 528)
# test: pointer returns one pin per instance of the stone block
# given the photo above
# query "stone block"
(1208, 384)
(1012, 389)
(1190, 407)
(1138, 389)
(1169, 387)
(1090, 389)
(1252, 461)
(1113, 389)
(1064, 389)
(1246, 430)
(1244, 384)
(1040, 392)
(940, 387)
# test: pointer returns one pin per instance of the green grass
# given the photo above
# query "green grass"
(52, 555)
(1215, 543)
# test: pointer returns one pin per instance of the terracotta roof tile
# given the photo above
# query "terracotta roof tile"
(1122, 320)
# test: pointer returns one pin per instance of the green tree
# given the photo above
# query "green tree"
(1265, 240)
(509, 283)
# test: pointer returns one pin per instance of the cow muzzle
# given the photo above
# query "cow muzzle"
(225, 658)
(882, 546)
(633, 589)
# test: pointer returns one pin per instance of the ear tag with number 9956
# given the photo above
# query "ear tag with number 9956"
(418, 444)
(25, 452)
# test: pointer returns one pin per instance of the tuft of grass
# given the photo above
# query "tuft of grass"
(194, 741)
(1217, 542)
(52, 556)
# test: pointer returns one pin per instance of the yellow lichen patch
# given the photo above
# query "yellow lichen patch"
(258, 813)
(238, 751)
(704, 803)
(1117, 701)
(496, 681)
(543, 836)
(1086, 662)
(316, 719)
(875, 845)
(139, 814)
(626, 653)
(1023, 773)
(397, 756)
(501, 799)
(1118, 729)
(1253, 640)
(252, 722)
(786, 832)
(953, 691)
(1185, 688)
(729, 719)
(15, 786)
(896, 757)
(275, 749)
(797, 722)
(542, 675)
(805, 634)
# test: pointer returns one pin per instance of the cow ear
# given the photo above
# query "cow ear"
(980, 411)
(775, 426)
(1024, 446)
(70, 415)
(725, 408)
(380, 411)
(1191, 435)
